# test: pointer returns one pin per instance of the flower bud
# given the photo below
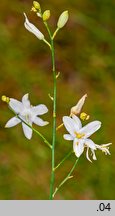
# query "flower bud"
(62, 19)
(31, 28)
(77, 108)
(46, 15)
(84, 116)
(36, 5)
(5, 99)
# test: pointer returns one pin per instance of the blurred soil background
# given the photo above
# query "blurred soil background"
(85, 56)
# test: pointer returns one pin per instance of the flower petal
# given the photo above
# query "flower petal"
(69, 125)
(94, 155)
(26, 101)
(90, 128)
(31, 28)
(103, 145)
(27, 131)
(67, 137)
(87, 155)
(16, 105)
(78, 146)
(78, 124)
(12, 122)
(40, 122)
(39, 109)
(89, 143)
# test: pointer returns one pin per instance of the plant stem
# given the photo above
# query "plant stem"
(66, 178)
(54, 112)
(60, 126)
(67, 155)
(45, 41)
(54, 122)
(55, 33)
(38, 133)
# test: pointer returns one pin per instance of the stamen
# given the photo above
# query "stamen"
(5, 99)
(84, 116)
(87, 154)
(78, 135)
(27, 118)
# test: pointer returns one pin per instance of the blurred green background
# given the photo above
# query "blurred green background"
(85, 56)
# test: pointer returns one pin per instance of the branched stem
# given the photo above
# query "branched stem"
(66, 178)
(55, 33)
(60, 126)
(62, 161)
(45, 41)
(54, 112)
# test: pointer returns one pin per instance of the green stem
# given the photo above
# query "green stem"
(36, 131)
(66, 178)
(45, 41)
(62, 161)
(54, 122)
(54, 112)
(56, 31)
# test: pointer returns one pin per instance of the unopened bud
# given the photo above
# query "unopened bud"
(31, 28)
(46, 15)
(5, 99)
(78, 107)
(36, 5)
(63, 19)
(84, 116)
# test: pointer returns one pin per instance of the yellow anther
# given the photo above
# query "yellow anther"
(33, 9)
(78, 135)
(84, 116)
(5, 99)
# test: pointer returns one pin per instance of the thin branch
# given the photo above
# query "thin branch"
(66, 178)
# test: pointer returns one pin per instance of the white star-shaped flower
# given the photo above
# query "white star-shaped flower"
(80, 136)
(27, 113)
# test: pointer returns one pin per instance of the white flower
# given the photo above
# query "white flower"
(77, 108)
(27, 113)
(31, 28)
(80, 136)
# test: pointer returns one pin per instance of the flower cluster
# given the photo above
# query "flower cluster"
(28, 114)
(63, 18)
